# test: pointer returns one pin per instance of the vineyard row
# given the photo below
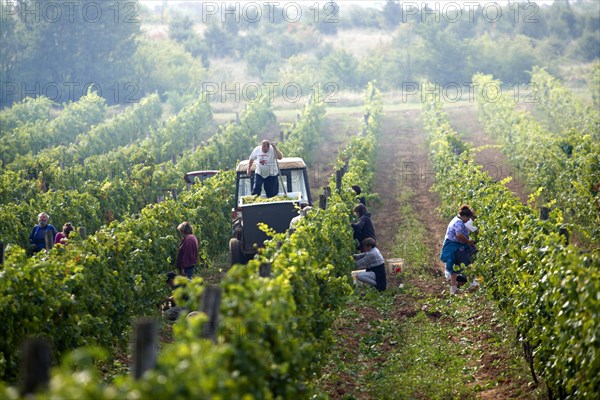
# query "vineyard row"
(309, 282)
(564, 169)
(547, 289)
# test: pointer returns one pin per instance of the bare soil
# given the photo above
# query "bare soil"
(337, 128)
(402, 164)
(464, 120)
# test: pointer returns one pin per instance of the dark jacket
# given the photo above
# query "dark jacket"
(37, 235)
(364, 228)
(379, 276)
(187, 255)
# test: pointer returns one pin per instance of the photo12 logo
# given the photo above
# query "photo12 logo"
(269, 11)
(453, 92)
(461, 11)
(63, 92)
(290, 92)
(38, 11)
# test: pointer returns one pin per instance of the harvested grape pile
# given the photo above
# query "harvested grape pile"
(253, 199)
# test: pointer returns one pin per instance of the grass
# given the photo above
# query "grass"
(426, 365)
(410, 245)
(415, 342)
(427, 362)
(387, 347)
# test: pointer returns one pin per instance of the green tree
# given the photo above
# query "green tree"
(181, 29)
(69, 45)
(392, 14)
(508, 58)
(537, 29)
(231, 24)
(441, 56)
(328, 19)
(259, 59)
(11, 46)
(341, 68)
(563, 21)
(587, 47)
(355, 16)
(248, 42)
(288, 45)
(219, 42)
(163, 66)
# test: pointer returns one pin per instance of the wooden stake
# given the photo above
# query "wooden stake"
(35, 366)
(211, 306)
(144, 347)
(49, 239)
(323, 202)
(264, 271)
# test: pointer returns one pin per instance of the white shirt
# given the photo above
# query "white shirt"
(266, 163)
(456, 226)
(470, 226)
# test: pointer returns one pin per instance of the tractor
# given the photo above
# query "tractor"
(277, 212)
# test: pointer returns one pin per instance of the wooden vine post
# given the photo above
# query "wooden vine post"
(264, 271)
(322, 202)
(35, 365)
(49, 240)
(210, 305)
(339, 174)
(144, 347)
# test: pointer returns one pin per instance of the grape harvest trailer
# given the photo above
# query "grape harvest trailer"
(277, 214)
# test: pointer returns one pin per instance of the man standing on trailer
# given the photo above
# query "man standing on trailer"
(266, 156)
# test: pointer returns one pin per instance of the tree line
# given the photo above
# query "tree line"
(60, 50)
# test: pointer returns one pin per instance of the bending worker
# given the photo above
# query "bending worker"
(373, 262)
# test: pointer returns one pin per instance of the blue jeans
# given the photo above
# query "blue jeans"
(374, 276)
(189, 271)
(270, 182)
(367, 277)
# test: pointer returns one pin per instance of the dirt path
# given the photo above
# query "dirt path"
(337, 128)
(464, 120)
(403, 164)
(403, 173)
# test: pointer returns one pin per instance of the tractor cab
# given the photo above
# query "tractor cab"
(248, 212)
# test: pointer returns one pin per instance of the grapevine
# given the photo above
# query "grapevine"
(546, 288)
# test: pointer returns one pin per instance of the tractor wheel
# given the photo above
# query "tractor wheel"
(235, 250)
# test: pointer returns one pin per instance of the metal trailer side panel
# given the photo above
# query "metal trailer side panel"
(276, 215)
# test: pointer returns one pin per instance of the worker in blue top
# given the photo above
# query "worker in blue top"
(37, 238)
